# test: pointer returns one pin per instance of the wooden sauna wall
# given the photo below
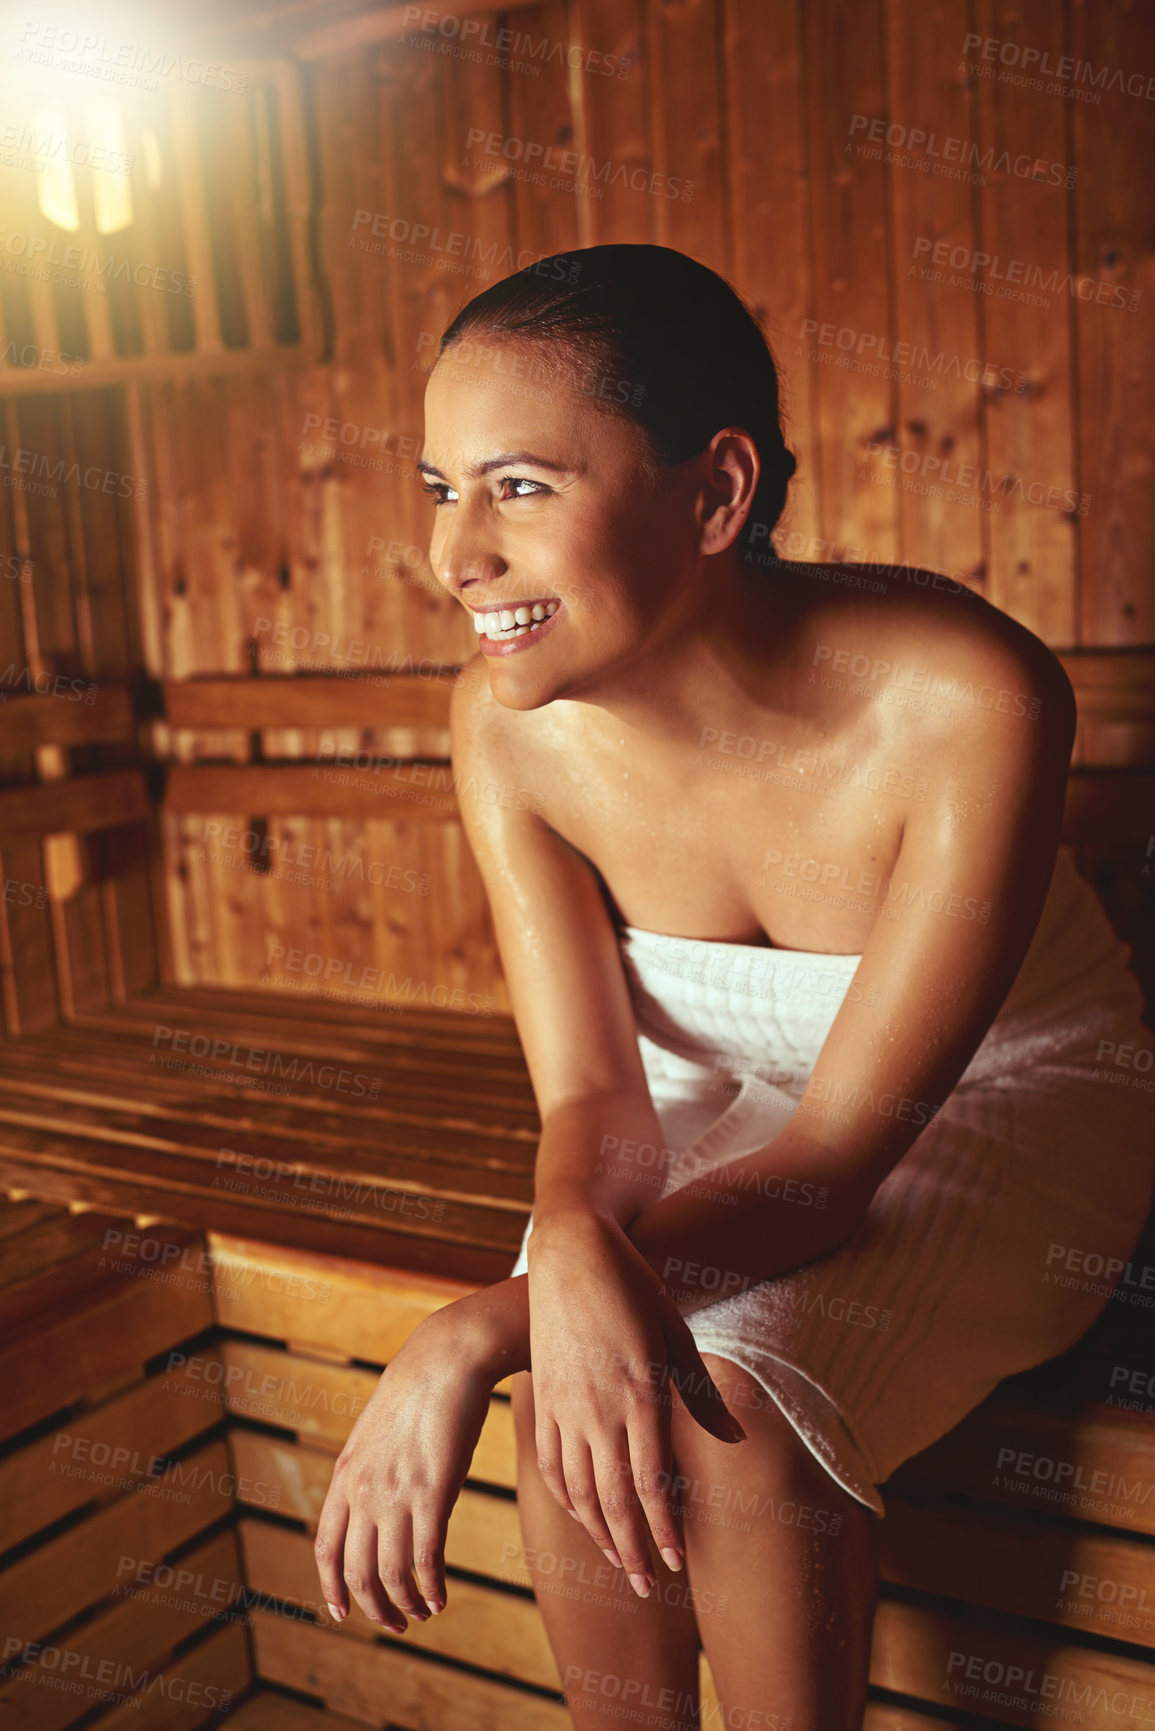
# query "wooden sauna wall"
(271, 548)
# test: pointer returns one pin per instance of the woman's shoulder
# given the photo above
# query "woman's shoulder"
(906, 627)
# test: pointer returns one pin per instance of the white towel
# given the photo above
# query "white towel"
(954, 1280)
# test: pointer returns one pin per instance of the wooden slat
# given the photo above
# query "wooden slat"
(321, 1402)
(83, 1328)
(1115, 806)
(98, 1450)
(71, 1172)
(79, 1567)
(1008, 1451)
(134, 1637)
(156, 369)
(483, 1534)
(27, 722)
(202, 1681)
(267, 1711)
(480, 1626)
(373, 1311)
(925, 1654)
(419, 793)
(369, 1681)
(86, 803)
(1022, 1566)
(312, 700)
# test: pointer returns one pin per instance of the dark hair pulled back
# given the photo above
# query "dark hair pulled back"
(663, 340)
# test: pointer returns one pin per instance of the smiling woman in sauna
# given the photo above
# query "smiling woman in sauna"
(810, 1002)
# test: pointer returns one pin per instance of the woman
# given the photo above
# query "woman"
(776, 842)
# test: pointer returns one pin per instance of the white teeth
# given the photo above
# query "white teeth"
(504, 622)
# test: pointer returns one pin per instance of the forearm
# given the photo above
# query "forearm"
(604, 1154)
(750, 1220)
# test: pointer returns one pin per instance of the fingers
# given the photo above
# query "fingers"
(622, 1513)
(688, 1374)
(329, 1550)
(362, 1575)
(429, 1529)
(651, 1466)
(394, 1550)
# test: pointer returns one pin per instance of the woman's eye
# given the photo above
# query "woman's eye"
(520, 481)
(438, 491)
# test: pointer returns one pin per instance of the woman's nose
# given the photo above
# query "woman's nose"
(467, 555)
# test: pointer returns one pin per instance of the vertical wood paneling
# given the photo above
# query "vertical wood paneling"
(1114, 147)
(937, 416)
(1032, 548)
(844, 76)
(610, 110)
(686, 121)
(768, 186)
(253, 516)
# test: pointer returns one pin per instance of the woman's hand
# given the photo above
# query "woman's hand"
(381, 1535)
(606, 1340)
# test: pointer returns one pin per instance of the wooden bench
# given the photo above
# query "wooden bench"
(136, 1112)
(176, 1402)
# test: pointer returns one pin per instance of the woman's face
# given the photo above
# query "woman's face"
(543, 498)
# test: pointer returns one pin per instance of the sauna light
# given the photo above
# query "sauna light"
(150, 144)
(55, 187)
(111, 189)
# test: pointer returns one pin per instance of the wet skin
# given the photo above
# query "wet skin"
(672, 662)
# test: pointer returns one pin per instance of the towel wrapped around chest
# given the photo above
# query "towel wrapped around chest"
(953, 1282)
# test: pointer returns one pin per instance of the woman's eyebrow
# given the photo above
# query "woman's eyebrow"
(499, 462)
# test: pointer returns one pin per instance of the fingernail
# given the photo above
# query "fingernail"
(613, 1556)
(672, 1557)
(436, 1606)
(336, 1613)
(574, 1513)
(642, 1585)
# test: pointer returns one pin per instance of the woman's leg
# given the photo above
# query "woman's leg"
(787, 1562)
(622, 1660)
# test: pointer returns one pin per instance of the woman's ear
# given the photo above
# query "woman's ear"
(731, 471)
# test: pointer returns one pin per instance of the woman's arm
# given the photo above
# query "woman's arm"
(962, 905)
